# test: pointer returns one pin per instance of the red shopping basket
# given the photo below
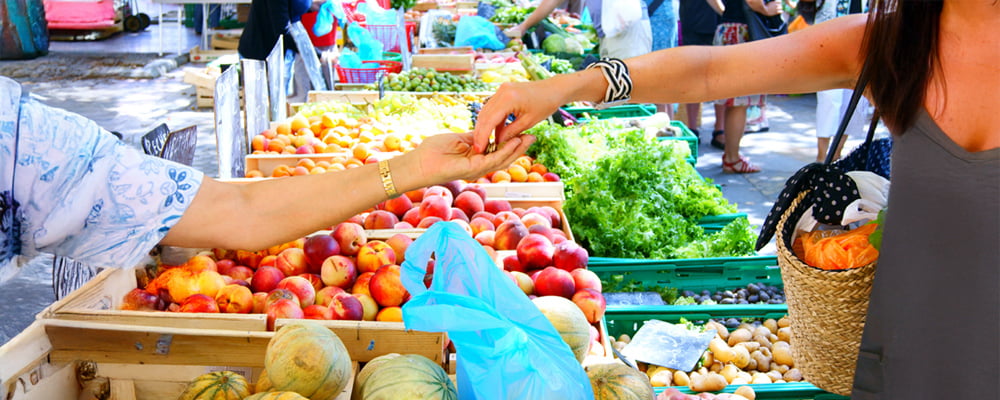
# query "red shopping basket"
(368, 75)
(389, 36)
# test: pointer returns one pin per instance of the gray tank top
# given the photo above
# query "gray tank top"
(934, 316)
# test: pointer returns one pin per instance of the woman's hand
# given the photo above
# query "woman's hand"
(529, 102)
(447, 157)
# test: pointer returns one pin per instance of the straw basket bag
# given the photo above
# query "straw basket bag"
(826, 308)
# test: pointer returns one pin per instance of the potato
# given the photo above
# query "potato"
(752, 346)
(721, 351)
(653, 369)
(759, 378)
(729, 372)
(782, 353)
(625, 338)
(681, 378)
(785, 334)
(771, 324)
(708, 358)
(784, 322)
(780, 381)
(762, 362)
(715, 367)
(662, 377)
(783, 368)
(747, 392)
(773, 337)
(620, 345)
(775, 375)
(793, 375)
(740, 380)
(707, 383)
(720, 329)
(742, 356)
(752, 365)
(762, 330)
(764, 341)
(739, 336)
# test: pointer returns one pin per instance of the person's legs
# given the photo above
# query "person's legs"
(735, 123)
(827, 117)
(718, 132)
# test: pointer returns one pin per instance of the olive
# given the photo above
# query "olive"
(752, 288)
(727, 301)
(743, 301)
(717, 297)
(764, 296)
(687, 293)
(728, 293)
(706, 293)
(753, 298)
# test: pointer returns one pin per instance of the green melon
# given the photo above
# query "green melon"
(409, 377)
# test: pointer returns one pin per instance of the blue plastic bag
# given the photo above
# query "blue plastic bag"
(479, 33)
(369, 48)
(506, 348)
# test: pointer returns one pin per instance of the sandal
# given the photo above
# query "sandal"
(741, 166)
(715, 140)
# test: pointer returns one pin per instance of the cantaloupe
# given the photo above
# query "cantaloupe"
(263, 383)
(307, 358)
(409, 377)
(370, 367)
(276, 396)
(569, 321)
(219, 385)
(619, 382)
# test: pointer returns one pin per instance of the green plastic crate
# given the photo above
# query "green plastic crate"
(628, 319)
(622, 111)
(715, 223)
(686, 135)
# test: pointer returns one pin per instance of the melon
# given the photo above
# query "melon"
(370, 367)
(276, 396)
(307, 358)
(219, 385)
(263, 383)
(569, 321)
(408, 377)
(619, 381)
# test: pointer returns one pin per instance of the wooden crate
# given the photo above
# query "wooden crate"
(226, 40)
(44, 361)
(199, 55)
(368, 96)
(447, 50)
(204, 84)
(266, 163)
(99, 301)
(444, 62)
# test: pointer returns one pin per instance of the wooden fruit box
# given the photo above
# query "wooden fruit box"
(56, 359)
(204, 84)
(100, 300)
(447, 50)
(445, 62)
(199, 55)
(266, 163)
(226, 40)
(368, 96)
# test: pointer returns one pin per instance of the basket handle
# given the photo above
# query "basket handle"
(859, 90)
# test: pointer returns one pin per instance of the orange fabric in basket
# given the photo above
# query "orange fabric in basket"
(847, 250)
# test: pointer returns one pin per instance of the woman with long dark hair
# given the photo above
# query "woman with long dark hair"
(933, 324)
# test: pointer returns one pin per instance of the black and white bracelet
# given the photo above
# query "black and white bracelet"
(619, 82)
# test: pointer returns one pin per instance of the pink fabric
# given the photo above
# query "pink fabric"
(80, 14)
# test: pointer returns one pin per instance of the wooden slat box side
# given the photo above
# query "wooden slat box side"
(368, 96)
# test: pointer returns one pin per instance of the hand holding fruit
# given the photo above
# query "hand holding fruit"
(448, 157)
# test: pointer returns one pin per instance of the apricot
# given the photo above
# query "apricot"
(298, 122)
(390, 314)
(253, 173)
(500, 177)
(517, 173)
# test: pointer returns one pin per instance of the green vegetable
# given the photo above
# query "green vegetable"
(617, 284)
(443, 30)
(511, 15)
(406, 4)
(875, 238)
(562, 43)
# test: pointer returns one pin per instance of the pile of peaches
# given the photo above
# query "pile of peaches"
(346, 275)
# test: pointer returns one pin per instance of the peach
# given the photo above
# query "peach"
(301, 287)
(200, 263)
(223, 254)
(428, 222)
(458, 214)
(592, 303)
(519, 211)
(439, 191)
(535, 251)
(570, 256)
(509, 234)
(380, 219)
(317, 311)
(314, 279)
(278, 294)
(347, 307)
(434, 206)
(412, 216)
(553, 281)
(477, 189)
(209, 282)
(259, 299)
(357, 219)
(483, 214)
(416, 195)
(390, 314)
(141, 300)
(455, 187)
(504, 216)
(530, 219)
(398, 206)
(223, 266)
(553, 215)
(386, 287)
(511, 263)
(524, 282)
(318, 248)
(399, 243)
(234, 299)
(268, 261)
(266, 279)
(292, 261)
(283, 308)
(339, 271)
(550, 177)
(350, 236)
(479, 224)
(325, 295)
(402, 225)
(369, 305)
(495, 205)
(199, 303)
(470, 202)
(543, 230)
(375, 254)
(362, 284)
(486, 238)
(586, 279)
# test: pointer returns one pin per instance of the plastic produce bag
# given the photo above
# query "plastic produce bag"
(349, 59)
(479, 33)
(369, 48)
(506, 348)
(618, 15)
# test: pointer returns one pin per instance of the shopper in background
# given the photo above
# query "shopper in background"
(663, 25)
(831, 105)
(269, 20)
(698, 22)
(635, 41)
(70, 188)
(934, 76)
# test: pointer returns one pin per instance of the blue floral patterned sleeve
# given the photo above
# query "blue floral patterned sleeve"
(82, 193)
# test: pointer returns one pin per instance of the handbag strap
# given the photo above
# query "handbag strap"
(859, 90)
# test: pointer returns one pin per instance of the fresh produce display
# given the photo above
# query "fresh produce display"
(404, 377)
(742, 393)
(533, 67)
(511, 15)
(523, 169)
(443, 30)
(497, 68)
(631, 196)
(753, 353)
(429, 80)
(837, 250)
(753, 293)
(568, 321)
(277, 396)
(308, 359)
(556, 65)
(612, 381)
(219, 385)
